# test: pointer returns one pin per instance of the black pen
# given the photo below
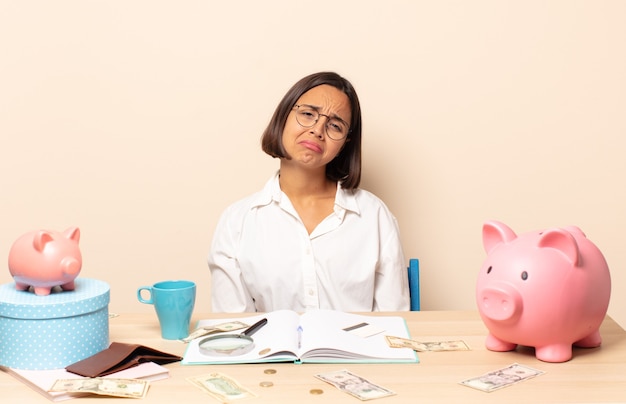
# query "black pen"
(255, 327)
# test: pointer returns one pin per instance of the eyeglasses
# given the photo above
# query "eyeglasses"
(307, 116)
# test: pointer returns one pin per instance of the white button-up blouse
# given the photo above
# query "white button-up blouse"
(263, 259)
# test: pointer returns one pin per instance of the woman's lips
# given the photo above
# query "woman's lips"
(311, 146)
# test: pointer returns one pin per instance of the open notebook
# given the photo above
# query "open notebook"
(321, 336)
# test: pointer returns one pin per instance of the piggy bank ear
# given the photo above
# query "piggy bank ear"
(40, 240)
(73, 233)
(562, 241)
(495, 233)
(575, 230)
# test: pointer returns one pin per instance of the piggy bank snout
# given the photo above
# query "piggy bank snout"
(500, 303)
(70, 266)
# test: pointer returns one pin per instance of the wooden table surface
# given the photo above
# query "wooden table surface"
(593, 375)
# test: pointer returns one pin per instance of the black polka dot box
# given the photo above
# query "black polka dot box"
(53, 331)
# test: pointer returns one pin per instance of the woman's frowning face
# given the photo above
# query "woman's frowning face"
(311, 145)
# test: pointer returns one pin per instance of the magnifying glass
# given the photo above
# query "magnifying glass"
(230, 344)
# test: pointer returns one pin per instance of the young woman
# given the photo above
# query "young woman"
(310, 238)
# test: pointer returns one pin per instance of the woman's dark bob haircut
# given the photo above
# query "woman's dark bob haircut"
(346, 167)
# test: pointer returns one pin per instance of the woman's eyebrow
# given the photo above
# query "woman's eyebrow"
(317, 108)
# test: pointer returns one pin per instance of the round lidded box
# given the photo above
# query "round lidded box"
(53, 331)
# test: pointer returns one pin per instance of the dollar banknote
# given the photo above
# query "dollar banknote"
(354, 385)
(212, 329)
(129, 388)
(501, 378)
(434, 346)
(221, 387)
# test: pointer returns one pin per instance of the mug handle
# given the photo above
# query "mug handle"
(141, 299)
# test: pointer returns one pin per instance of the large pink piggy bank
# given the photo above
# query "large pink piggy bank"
(45, 259)
(545, 289)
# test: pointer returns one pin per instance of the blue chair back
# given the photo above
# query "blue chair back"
(414, 283)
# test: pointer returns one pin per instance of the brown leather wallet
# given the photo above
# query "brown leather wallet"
(119, 356)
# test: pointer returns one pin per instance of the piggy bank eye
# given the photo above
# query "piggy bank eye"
(489, 269)
(524, 275)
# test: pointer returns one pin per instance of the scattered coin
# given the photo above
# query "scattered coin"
(269, 371)
(316, 391)
(266, 384)
(264, 351)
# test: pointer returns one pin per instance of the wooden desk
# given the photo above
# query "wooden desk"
(593, 375)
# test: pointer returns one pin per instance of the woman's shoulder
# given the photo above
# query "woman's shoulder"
(246, 203)
(364, 196)
(366, 203)
(373, 208)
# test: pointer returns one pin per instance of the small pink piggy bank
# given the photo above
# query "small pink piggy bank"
(45, 259)
(545, 289)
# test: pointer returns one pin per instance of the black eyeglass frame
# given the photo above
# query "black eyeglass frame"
(328, 118)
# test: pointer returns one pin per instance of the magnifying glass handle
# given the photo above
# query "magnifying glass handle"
(255, 327)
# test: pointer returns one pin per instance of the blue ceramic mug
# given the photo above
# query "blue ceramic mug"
(173, 302)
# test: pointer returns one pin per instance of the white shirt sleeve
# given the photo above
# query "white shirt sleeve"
(229, 293)
(391, 291)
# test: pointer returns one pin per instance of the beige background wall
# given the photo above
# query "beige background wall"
(139, 121)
